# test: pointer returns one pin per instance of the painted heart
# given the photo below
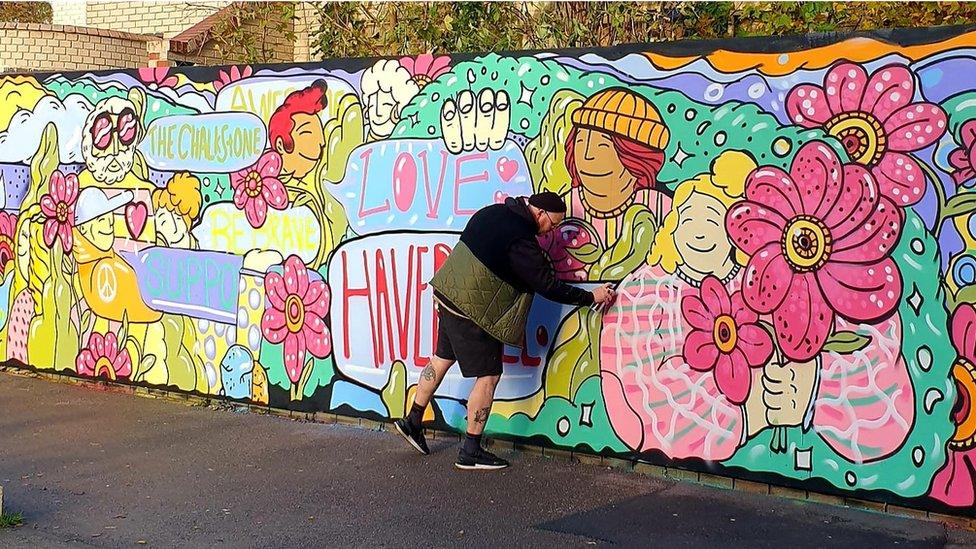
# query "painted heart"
(135, 218)
(507, 168)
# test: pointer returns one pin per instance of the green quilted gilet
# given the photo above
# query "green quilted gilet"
(490, 302)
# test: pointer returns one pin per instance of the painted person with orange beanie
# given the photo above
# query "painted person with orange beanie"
(614, 153)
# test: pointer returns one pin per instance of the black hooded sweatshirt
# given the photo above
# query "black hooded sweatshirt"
(503, 237)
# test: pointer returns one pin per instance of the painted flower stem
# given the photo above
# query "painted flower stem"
(941, 200)
(778, 441)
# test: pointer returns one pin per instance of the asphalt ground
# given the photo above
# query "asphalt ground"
(90, 468)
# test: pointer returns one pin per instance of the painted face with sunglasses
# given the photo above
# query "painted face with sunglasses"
(111, 133)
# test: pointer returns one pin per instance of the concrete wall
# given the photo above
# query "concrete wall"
(791, 230)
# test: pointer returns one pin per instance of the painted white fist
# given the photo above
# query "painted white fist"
(470, 122)
(788, 391)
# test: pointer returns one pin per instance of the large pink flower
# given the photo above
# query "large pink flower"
(229, 76)
(103, 358)
(426, 68)
(954, 483)
(158, 77)
(876, 121)
(297, 315)
(565, 245)
(8, 228)
(963, 159)
(58, 205)
(819, 240)
(725, 337)
(256, 188)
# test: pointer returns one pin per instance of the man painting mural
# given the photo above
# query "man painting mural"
(483, 293)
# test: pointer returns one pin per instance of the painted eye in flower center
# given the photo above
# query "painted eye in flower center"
(724, 333)
(963, 413)
(861, 135)
(294, 313)
(806, 243)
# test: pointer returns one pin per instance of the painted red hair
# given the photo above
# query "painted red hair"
(642, 161)
(311, 100)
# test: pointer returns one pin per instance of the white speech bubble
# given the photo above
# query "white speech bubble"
(382, 311)
(221, 142)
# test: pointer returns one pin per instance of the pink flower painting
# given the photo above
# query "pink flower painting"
(963, 159)
(102, 358)
(819, 239)
(954, 483)
(231, 75)
(58, 206)
(296, 316)
(725, 338)
(257, 188)
(158, 77)
(425, 68)
(8, 229)
(877, 120)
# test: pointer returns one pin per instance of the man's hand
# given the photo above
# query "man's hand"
(603, 294)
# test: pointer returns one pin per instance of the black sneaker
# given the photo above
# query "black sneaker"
(480, 460)
(414, 436)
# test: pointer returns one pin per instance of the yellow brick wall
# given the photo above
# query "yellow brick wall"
(33, 47)
(306, 22)
(166, 17)
(68, 12)
(104, 43)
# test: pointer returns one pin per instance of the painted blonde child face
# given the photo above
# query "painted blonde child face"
(700, 237)
(172, 228)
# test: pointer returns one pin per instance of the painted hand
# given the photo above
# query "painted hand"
(788, 390)
(469, 122)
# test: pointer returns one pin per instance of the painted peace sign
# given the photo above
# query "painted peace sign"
(105, 283)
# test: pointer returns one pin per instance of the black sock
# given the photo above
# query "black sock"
(416, 416)
(472, 443)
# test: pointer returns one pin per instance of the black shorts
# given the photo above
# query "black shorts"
(475, 350)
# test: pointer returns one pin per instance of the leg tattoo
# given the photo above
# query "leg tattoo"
(428, 373)
(481, 416)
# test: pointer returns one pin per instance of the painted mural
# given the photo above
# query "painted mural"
(792, 234)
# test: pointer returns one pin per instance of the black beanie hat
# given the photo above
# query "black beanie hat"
(548, 201)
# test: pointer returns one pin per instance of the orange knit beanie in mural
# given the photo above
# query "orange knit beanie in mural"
(624, 113)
